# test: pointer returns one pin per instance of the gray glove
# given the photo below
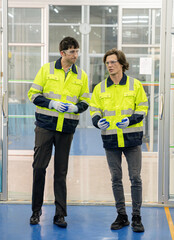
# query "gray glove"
(59, 106)
(103, 124)
(123, 124)
(71, 108)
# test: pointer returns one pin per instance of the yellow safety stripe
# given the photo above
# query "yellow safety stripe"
(120, 137)
(170, 222)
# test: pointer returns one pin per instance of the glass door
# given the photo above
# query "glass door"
(166, 103)
(3, 100)
(171, 141)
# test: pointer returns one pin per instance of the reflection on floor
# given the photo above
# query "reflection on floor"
(84, 223)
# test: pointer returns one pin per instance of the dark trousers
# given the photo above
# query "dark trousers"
(44, 141)
(134, 158)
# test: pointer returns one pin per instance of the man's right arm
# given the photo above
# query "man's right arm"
(35, 93)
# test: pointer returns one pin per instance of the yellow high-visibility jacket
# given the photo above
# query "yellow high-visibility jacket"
(50, 84)
(115, 102)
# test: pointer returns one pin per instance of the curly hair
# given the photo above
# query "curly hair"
(120, 56)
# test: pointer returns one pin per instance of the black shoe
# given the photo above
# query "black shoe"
(137, 225)
(60, 221)
(121, 221)
(35, 218)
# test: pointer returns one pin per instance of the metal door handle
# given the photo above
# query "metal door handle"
(161, 106)
(3, 104)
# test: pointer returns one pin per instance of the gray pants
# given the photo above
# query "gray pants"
(133, 157)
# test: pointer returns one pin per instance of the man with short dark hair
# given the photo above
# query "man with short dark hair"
(118, 106)
(60, 93)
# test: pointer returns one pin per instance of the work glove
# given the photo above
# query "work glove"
(103, 124)
(71, 108)
(123, 124)
(59, 106)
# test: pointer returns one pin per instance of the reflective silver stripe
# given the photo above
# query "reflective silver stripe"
(79, 74)
(109, 132)
(85, 102)
(34, 96)
(140, 112)
(97, 114)
(52, 64)
(95, 109)
(72, 99)
(127, 112)
(56, 114)
(143, 104)
(133, 129)
(47, 112)
(131, 84)
(71, 116)
(109, 113)
(52, 95)
(103, 86)
(85, 95)
(36, 86)
(126, 130)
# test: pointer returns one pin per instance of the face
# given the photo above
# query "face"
(113, 66)
(70, 56)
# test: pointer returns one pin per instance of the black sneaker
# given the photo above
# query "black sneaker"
(60, 221)
(121, 221)
(137, 225)
(35, 218)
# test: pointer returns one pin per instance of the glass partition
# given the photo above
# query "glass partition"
(171, 147)
(103, 36)
(24, 61)
(64, 14)
(140, 43)
(25, 57)
(24, 25)
(0, 100)
(63, 21)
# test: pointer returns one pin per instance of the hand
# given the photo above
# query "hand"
(103, 124)
(71, 108)
(59, 106)
(123, 124)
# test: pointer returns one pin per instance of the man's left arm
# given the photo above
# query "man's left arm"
(84, 98)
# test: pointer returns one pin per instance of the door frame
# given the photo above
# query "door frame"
(4, 74)
(164, 104)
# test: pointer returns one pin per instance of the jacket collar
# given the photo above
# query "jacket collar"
(59, 66)
(122, 82)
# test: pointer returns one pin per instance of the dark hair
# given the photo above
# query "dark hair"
(120, 56)
(68, 42)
